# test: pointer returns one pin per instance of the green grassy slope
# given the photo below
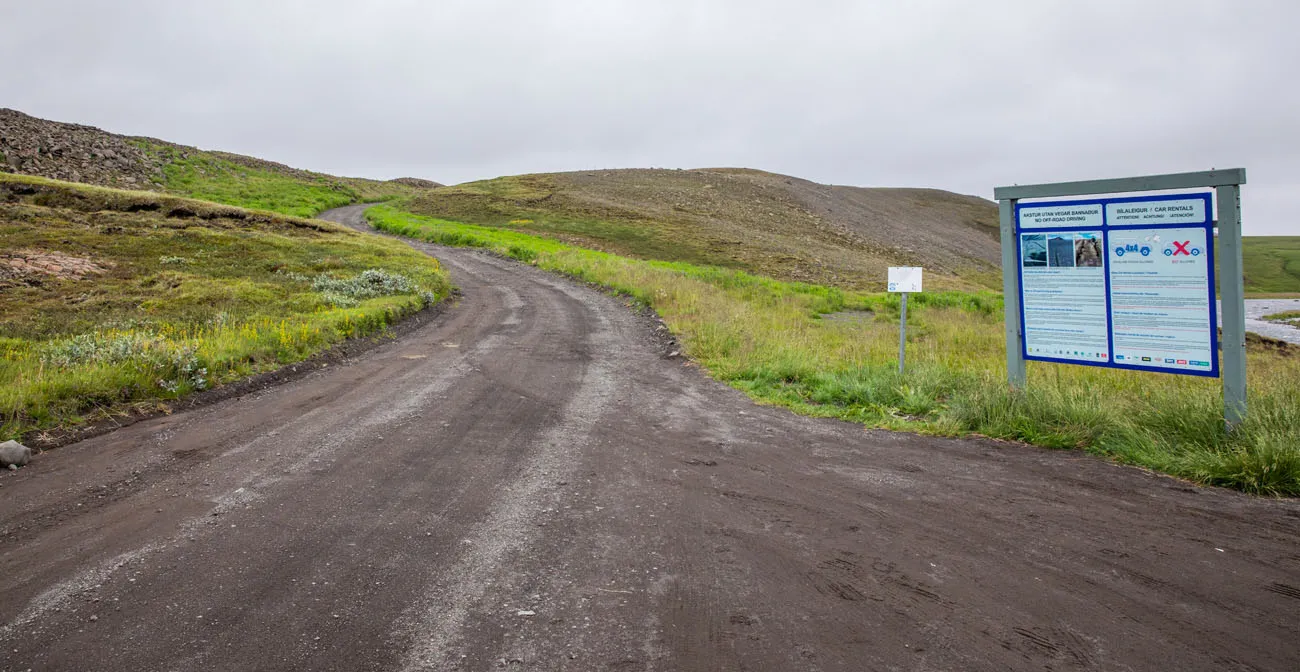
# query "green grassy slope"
(250, 183)
(183, 295)
(1271, 264)
(749, 220)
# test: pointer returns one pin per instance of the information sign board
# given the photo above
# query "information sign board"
(1120, 282)
(906, 279)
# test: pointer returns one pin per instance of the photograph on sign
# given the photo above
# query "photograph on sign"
(1119, 283)
(1033, 249)
(905, 279)
(1060, 250)
(1087, 250)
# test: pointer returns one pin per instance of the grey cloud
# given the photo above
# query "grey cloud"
(954, 95)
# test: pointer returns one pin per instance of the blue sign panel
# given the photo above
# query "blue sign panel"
(1121, 282)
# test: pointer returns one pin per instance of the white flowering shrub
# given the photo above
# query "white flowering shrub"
(369, 284)
(174, 365)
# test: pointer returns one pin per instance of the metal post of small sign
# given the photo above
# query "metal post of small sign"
(903, 280)
(902, 334)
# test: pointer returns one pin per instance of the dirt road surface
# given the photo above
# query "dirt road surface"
(527, 482)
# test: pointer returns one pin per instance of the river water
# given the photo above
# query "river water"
(1257, 308)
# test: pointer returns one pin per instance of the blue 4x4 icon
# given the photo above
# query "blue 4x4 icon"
(1144, 250)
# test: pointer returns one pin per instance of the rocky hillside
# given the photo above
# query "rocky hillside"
(772, 224)
(77, 153)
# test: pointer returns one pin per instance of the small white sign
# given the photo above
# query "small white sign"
(905, 279)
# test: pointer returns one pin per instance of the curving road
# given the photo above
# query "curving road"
(526, 482)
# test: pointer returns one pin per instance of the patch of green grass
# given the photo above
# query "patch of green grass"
(192, 295)
(223, 182)
(1271, 265)
(769, 339)
(248, 183)
(1284, 316)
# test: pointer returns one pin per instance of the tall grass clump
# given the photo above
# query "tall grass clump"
(774, 341)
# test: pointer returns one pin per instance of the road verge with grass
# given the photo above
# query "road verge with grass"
(779, 343)
(113, 302)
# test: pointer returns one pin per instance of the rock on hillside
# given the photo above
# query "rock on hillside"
(416, 182)
(75, 153)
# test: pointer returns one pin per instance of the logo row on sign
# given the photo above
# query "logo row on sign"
(1157, 360)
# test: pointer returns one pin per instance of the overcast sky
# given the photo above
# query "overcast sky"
(956, 95)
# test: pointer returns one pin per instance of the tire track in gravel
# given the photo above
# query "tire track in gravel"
(527, 482)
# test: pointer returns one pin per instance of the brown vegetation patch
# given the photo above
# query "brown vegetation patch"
(23, 264)
(39, 192)
(1257, 342)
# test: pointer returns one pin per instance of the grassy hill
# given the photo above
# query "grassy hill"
(114, 300)
(1271, 265)
(775, 225)
(781, 226)
(77, 153)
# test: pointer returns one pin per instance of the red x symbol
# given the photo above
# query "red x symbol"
(1181, 248)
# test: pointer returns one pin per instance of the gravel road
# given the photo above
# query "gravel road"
(526, 482)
